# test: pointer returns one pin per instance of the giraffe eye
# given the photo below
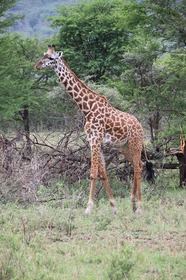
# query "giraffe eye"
(51, 58)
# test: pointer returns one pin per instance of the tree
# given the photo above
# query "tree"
(154, 73)
(7, 20)
(156, 88)
(20, 93)
(90, 36)
(167, 20)
(28, 99)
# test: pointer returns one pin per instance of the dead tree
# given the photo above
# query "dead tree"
(180, 153)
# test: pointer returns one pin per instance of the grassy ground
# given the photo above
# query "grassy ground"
(56, 241)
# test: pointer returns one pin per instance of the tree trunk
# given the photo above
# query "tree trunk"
(154, 123)
(182, 160)
(26, 125)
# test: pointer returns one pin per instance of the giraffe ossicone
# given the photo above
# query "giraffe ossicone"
(104, 124)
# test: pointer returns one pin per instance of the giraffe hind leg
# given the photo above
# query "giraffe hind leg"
(103, 176)
(137, 185)
(137, 165)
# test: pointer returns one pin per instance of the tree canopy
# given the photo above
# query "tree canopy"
(90, 35)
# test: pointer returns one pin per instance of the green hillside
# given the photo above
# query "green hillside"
(35, 16)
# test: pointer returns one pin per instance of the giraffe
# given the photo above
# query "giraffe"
(104, 125)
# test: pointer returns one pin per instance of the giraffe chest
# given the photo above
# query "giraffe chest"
(114, 141)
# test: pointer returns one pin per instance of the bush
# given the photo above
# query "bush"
(121, 265)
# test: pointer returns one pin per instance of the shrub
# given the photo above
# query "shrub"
(121, 265)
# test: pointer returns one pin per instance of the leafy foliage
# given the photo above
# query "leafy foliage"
(17, 71)
(90, 37)
(167, 20)
(9, 19)
(155, 86)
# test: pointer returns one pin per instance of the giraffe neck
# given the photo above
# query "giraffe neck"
(82, 95)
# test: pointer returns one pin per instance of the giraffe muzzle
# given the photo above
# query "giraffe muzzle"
(38, 66)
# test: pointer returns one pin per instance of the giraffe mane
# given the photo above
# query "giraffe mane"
(82, 83)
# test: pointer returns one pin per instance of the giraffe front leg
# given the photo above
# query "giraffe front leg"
(91, 197)
(93, 175)
(133, 195)
(138, 210)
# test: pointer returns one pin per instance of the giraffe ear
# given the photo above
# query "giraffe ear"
(60, 54)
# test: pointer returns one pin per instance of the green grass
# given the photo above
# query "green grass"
(56, 241)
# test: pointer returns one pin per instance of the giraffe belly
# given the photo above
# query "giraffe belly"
(116, 143)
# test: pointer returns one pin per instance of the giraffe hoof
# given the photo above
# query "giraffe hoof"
(114, 211)
(138, 211)
(88, 210)
(134, 209)
(89, 207)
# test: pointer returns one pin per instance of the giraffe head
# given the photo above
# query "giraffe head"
(50, 58)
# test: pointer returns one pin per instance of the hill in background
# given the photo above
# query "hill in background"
(35, 14)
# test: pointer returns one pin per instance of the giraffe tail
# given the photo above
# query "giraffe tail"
(149, 168)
